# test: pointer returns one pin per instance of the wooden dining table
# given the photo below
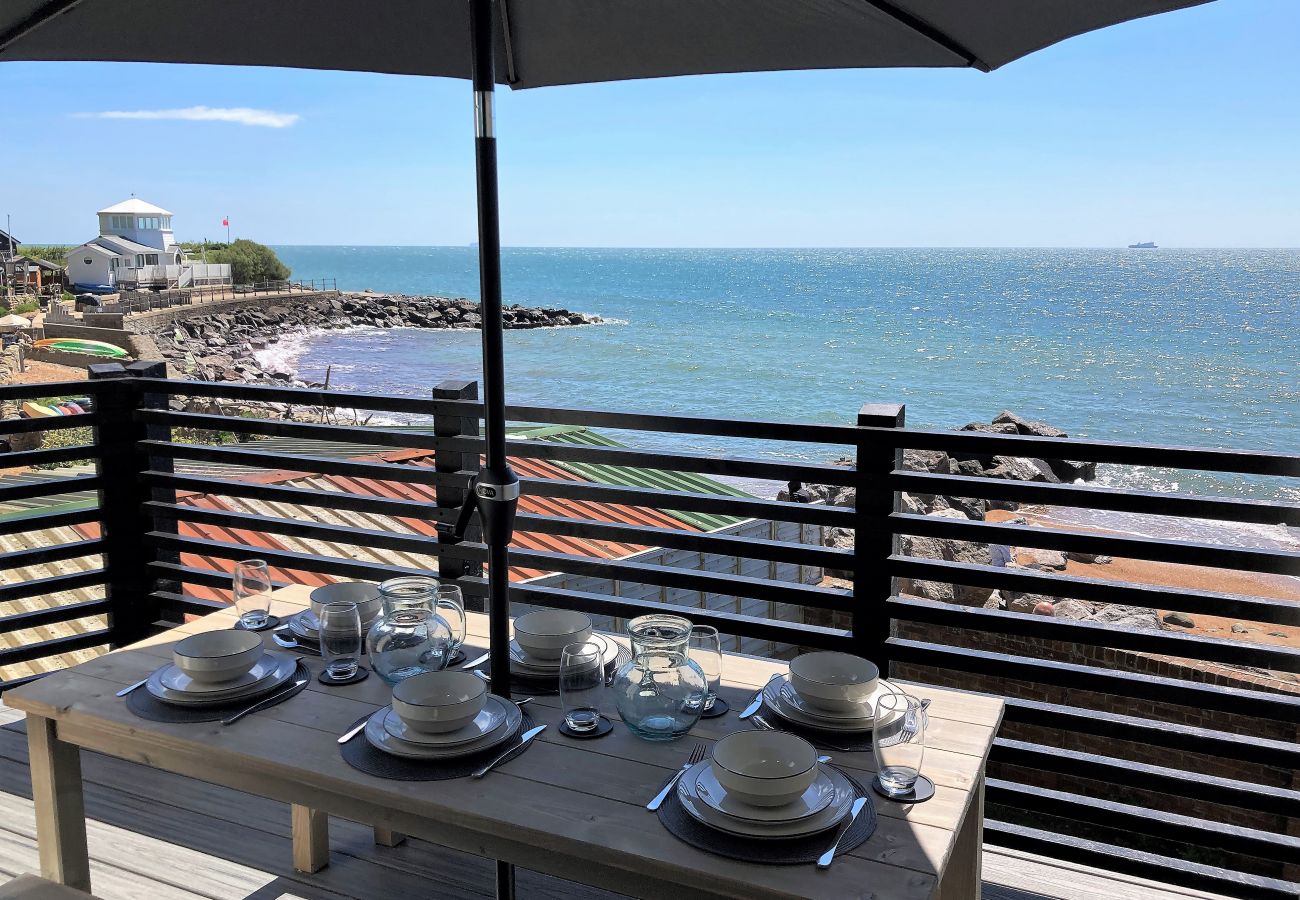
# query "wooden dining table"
(571, 808)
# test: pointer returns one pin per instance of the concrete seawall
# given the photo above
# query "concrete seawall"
(154, 319)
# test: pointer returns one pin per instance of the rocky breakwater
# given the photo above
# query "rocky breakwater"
(1049, 471)
(223, 346)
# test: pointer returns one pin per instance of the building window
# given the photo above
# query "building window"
(151, 259)
(119, 222)
(112, 263)
(88, 261)
(167, 223)
(139, 260)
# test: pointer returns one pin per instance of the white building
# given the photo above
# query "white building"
(136, 249)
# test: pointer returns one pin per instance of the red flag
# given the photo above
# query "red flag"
(226, 221)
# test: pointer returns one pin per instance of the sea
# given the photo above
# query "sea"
(1191, 347)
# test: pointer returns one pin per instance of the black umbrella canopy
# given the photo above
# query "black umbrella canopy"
(550, 42)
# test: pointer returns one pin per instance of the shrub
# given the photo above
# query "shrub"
(250, 262)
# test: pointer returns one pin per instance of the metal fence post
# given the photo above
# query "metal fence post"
(874, 540)
(120, 462)
(451, 497)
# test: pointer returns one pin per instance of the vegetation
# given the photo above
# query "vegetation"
(249, 261)
(55, 253)
(29, 306)
(76, 437)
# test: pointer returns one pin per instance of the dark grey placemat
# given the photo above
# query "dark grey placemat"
(147, 706)
(363, 756)
(785, 852)
(844, 742)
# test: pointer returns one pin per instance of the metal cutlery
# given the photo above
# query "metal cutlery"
(910, 729)
(697, 755)
(476, 662)
(485, 676)
(357, 727)
(757, 703)
(512, 752)
(765, 725)
(824, 861)
(266, 701)
(130, 687)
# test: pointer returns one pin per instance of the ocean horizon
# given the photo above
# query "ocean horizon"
(1172, 346)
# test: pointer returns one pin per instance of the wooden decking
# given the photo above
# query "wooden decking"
(156, 836)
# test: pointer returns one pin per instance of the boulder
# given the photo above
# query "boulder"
(1182, 620)
(1074, 609)
(1079, 556)
(1067, 470)
(1023, 603)
(1127, 617)
(1014, 468)
(1042, 559)
(928, 461)
(995, 428)
(1028, 426)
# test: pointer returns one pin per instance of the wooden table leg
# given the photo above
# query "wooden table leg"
(311, 838)
(963, 877)
(60, 805)
(386, 837)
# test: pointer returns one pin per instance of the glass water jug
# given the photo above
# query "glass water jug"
(409, 638)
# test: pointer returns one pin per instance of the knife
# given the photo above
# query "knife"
(512, 752)
(356, 728)
(262, 704)
(757, 703)
(824, 861)
(477, 661)
(130, 687)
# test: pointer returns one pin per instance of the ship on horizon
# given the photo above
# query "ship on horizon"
(1143, 245)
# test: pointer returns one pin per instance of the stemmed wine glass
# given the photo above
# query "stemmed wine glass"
(706, 652)
(252, 591)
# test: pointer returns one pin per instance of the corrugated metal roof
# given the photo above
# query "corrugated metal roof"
(629, 476)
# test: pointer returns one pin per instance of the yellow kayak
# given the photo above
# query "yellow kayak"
(40, 411)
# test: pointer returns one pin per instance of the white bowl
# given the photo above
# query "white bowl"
(436, 702)
(218, 655)
(764, 768)
(545, 633)
(365, 596)
(839, 682)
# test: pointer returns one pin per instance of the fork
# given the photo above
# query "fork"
(913, 724)
(697, 756)
(765, 725)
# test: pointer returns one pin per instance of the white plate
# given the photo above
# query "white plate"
(818, 796)
(845, 794)
(285, 666)
(305, 625)
(379, 737)
(525, 664)
(864, 711)
(171, 677)
(777, 700)
(494, 712)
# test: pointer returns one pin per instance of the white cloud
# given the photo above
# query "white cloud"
(241, 115)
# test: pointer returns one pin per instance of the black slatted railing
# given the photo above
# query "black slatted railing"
(1162, 753)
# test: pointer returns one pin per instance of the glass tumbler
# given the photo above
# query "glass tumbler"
(582, 684)
(706, 652)
(450, 604)
(252, 591)
(340, 639)
(899, 741)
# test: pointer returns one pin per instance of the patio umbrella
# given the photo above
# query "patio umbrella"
(548, 43)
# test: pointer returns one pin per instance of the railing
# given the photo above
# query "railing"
(146, 301)
(1169, 755)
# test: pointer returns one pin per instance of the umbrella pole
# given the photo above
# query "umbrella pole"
(496, 490)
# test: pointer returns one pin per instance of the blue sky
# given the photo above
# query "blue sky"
(1183, 128)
